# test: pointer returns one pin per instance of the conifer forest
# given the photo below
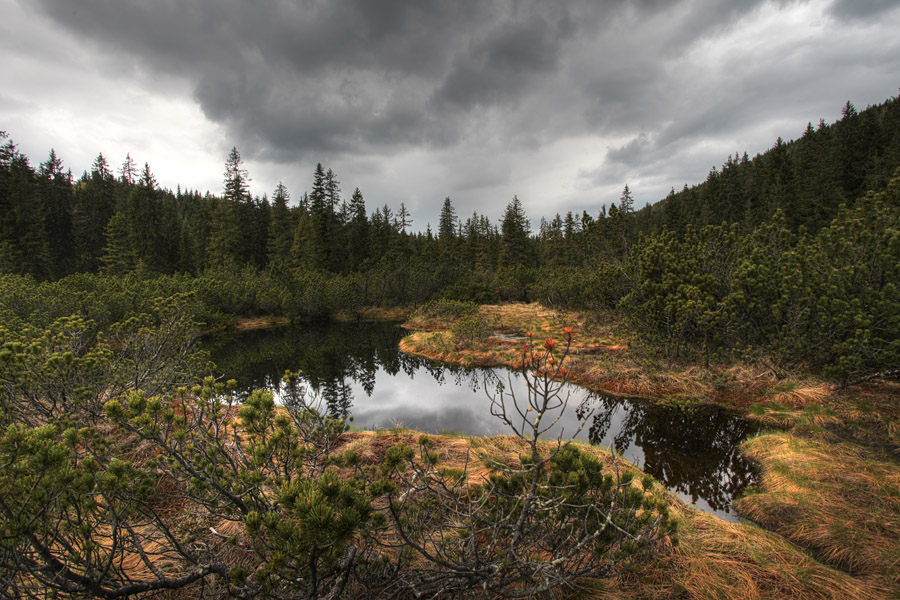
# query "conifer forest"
(130, 468)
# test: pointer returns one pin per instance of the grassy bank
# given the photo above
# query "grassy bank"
(828, 505)
(606, 357)
(711, 559)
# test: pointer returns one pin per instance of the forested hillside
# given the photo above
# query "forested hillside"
(807, 179)
(789, 257)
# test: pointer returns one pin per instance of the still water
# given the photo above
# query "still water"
(357, 369)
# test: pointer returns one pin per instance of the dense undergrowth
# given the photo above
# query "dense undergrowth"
(121, 479)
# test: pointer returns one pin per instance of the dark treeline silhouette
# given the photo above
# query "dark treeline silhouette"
(790, 257)
(807, 179)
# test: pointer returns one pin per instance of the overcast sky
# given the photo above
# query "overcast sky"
(561, 103)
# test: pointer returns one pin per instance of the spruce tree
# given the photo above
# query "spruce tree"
(358, 231)
(403, 219)
(236, 179)
(23, 237)
(447, 222)
(318, 247)
(118, 255)
(55, 187)
(514, 232)
(149, 230)
(223, 245)
(128, 170)
(95, 203)
(281, 228)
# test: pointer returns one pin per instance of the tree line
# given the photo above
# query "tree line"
(708, 273)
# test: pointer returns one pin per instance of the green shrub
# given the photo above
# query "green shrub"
(447, 309)
(472, 329)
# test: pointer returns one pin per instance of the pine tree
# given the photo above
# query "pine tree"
(514, 232)
(333, 231)
(94, 205)
(259, 233)
(236, 179)
(23, 238)
(447, 222)
(318, 246)
(779, 191)
(56, 191)
(151, 232)
(281, 228)
(118, 255)
(626, 201)
(403, 219)
(223, 244)
(302, 252)
(128, 170)
(852, 152)
(358, 231)
(332, 191)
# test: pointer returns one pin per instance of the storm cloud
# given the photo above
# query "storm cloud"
(561, 103)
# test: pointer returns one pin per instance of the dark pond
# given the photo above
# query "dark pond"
(358, 369)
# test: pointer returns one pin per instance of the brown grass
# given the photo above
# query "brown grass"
(839, 500)
(728, 560)
(605, 358)
(835, 492)
(831, 507)
(735, 561)
(713, 559)
(250, 323)
(372, 313)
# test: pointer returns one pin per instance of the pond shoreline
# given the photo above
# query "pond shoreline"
(806, 497)
(820, 480)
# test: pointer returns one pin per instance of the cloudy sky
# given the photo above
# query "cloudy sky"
(561, 103)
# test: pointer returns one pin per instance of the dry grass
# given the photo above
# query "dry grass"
(736, 561)
(604, 357)
(835, 493)
(475, 455)
(713, 559)
(839, 500)
(822, 499)
(371, 313)
(802, 395)
(250, 323)
(728, 560)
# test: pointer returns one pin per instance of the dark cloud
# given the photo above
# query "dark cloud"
(294, 79)
(562, 101)
(861, 9)
(503, 65)
(631, 153)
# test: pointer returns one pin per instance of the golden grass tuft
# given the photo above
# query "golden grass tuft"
(738, 561)
(802, 395)
(840, 501)
(713, 559)
(251, 323)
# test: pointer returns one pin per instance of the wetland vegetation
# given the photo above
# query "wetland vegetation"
(741, 337)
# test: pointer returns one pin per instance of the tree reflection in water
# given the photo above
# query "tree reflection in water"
(328, 355)
(692, 451)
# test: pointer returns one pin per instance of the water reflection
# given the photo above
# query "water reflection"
(357, 369)
(693, 450)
